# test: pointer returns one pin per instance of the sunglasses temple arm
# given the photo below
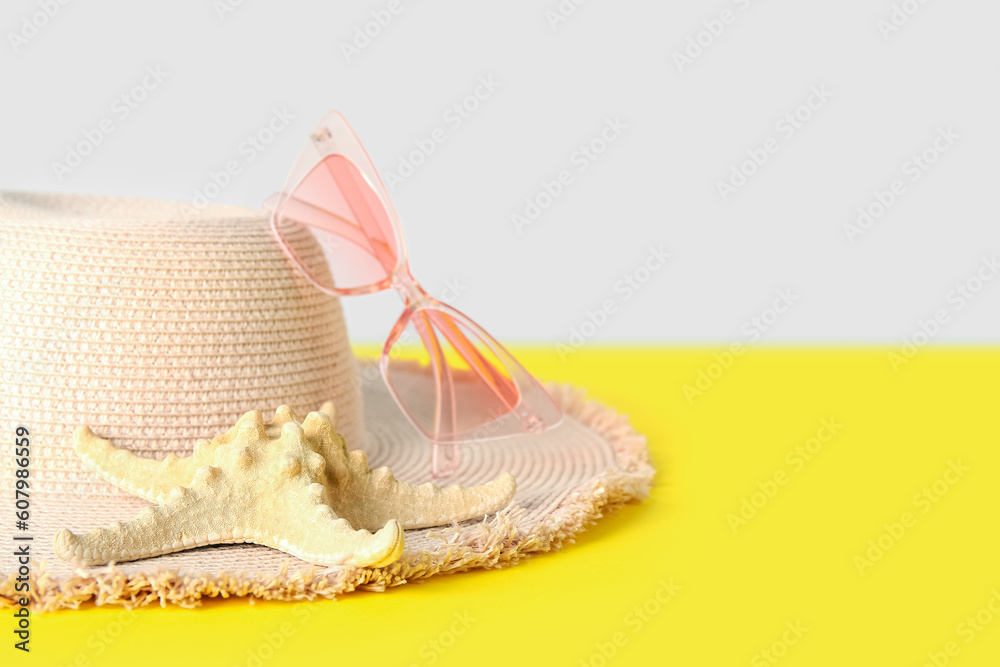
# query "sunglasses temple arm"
(444, 457)
(469, 352)
(377, 249)
(377, 243)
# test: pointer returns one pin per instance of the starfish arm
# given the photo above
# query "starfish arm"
(214, 511)
(369, 497)
(151, 479)
(188, 518)
(310, 529)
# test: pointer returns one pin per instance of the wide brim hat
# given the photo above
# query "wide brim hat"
(159, 324)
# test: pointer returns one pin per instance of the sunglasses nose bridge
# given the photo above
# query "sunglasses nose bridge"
(408, 287)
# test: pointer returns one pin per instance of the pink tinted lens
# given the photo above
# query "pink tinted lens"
(338, 208)
(449, 381)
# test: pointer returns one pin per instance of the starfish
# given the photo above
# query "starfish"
(288, 485)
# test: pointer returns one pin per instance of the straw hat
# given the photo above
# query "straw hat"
(158, 327)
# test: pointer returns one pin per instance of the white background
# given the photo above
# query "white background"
(655, 185)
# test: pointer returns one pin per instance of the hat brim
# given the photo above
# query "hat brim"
(566, 477)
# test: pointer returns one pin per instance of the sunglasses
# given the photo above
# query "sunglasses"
(453, 381)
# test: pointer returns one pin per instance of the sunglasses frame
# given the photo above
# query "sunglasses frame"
(534, 410)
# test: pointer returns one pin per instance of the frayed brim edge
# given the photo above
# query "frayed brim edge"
(495, 543)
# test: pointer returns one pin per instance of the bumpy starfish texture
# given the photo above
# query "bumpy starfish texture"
(291, 486)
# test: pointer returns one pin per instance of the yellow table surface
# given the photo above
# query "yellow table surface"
(880, 548)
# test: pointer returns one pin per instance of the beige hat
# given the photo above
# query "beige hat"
(158, 328)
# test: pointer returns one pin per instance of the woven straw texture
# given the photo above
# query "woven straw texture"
(159, 325)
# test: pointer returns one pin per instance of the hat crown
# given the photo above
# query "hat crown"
(157, 324)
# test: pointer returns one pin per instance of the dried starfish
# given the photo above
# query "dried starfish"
(290, 486)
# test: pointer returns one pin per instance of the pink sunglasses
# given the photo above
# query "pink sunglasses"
(452, 380)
